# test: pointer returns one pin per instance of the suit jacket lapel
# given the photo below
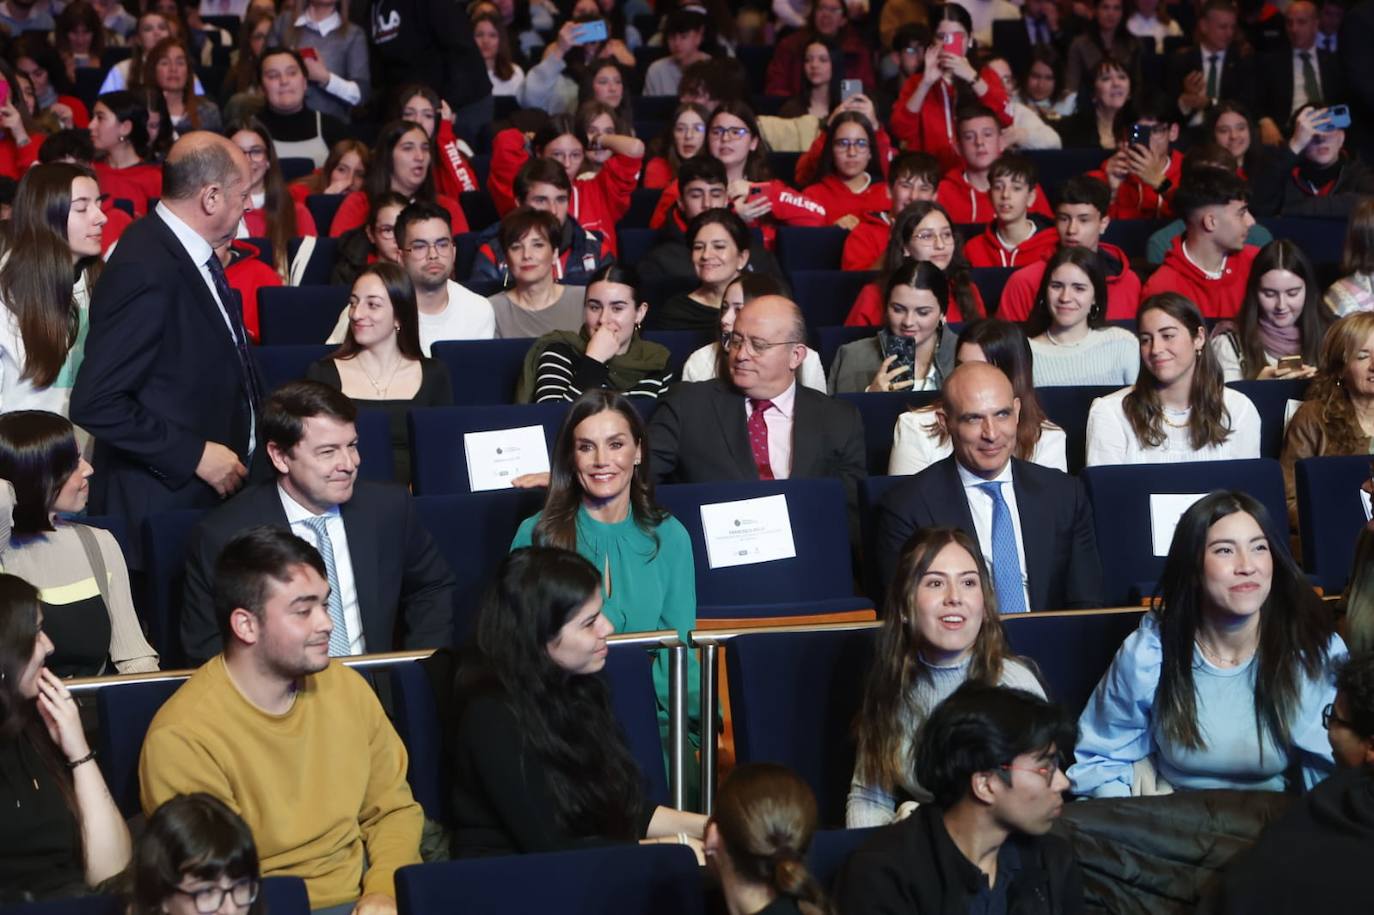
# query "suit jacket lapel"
(1039, 549)
(362, 554)
(191, 276)
(805, 437)
(731, 413)
(948, 500)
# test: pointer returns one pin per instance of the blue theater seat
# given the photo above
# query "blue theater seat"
(1312, 235)
(1073, 649)
(680, 343)
(871, 493)
(165, 537)
(828, 340)
(793, 698)
(1271, 399)
(830, 849)
(464, 255)
(1055, 166)
(320, 268)
(825, 296)
(117, 525)
(438, 460)
(1121, 513)
(483, 371)
(1067, 407)
(81, 905)
(417, 721)
(819, 579)
(288, 362)
(126, 710)
(299, 314)
(479, 210)
(293, 167)
(783, 165)
(643, 202)
(809, 248)
(634, 701)
(1132, 235)
(634, 244)
(285, 896)
(323, 207)
(990, 282)
(659, 290)
(880, 411)
(377, 462)
(1330, 516)
(473, 531)
(624, 879)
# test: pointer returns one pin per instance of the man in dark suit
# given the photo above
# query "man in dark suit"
(168, 388)
(760, 424)
(1196, 77)
(1297, 75)
(1034, 524)
(390, 588)
(1039, 25)
(1358, 69)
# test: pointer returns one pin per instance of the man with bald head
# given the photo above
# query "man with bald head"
(168, 388)
(1297, 75)
(759, 424)
(1033, 523)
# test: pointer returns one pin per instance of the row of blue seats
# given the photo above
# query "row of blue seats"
(474, 530)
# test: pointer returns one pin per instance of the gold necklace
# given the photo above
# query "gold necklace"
(378, 388)
(1218, 659)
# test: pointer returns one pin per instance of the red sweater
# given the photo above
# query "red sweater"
(453, 173)
(1136, 200)
(790, 207)
(866, 242)
(600, 201)
(869, 307)
(810, 162)
(116, 222)
(137, 184)
(932, 129)
(658, 173)
(353, 212)
(256, 221)
(1216, 298)
(1123, 289)
(988, 250)
(14, 161)
(247, 274)
(839, 201)
(965, 203)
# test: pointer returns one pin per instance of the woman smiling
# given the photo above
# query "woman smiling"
(914, 350)
(719, 244)
(1069, 335)
(1281, 319)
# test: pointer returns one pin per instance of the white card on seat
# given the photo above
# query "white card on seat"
(496, 458)
(1165, 510)
(747, 532)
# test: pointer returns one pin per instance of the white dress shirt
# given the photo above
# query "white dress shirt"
(980, 506)
(298, 516)
(778, 418)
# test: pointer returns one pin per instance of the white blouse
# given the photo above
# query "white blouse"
(19, 393)
(916, 444)
(1111, 440)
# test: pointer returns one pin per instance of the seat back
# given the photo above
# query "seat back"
(1132, 235)
(473, 531)
(438, 459)
(793, 699)
(1072, 649)
(80, 905)
(635, 243)
(872, 490)
(820, 571)
(1330, 516)
(990, 282)
(626, 879)
(126, 710)
(417, 720)
(478, 209)
(880, 411)
(293, 167)
(825, 296)
(1271, 398)
(285, 896)
(377, 459)
(299, 314)
(634, 700)
(643, 202)
(1121, 513)
(1067, 407)
(483, 371)
(280, 364)
(830, 849)
(808, 248)
(680, 344)
(320, 268)
(165, 536)
(828, 340)
(1055, 166)
(322, 208)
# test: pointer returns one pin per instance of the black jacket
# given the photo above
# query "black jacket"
(1277, 190)
(1276, 78)
(1238, 77)
(581, 252)
(429, 42)
(914, 867)
(669, 257)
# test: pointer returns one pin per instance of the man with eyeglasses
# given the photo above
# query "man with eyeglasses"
(759, 424)
(990, 756)
(448, 310)
(1315, 858)
(703, 184)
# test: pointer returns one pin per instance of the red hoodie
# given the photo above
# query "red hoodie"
(15, 160)
(453, 173)
(988, 249)
(866, 242)
(867, 310)
(247, 273)
(965, 203)
(1123, 289)
(1135, 199)
(790, 207)
(136, 184)
(810, 162)
(932, 129)
(256, 221)
(839, 201)
(1216, 298)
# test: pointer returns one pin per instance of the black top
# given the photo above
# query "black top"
(294, 128)
(502, 802)
(682, 312)
(783, 905)
(38, 832)
(435, 391)
(80, 632)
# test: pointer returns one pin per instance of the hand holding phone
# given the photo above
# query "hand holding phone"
(1337, 117)
(591, 32)
(850, 88)
(953, 43)
(1288, 364)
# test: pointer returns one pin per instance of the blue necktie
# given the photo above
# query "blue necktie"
(339, 642)
(1006, 565)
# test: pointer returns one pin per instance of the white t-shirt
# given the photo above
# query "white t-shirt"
(1111, 440)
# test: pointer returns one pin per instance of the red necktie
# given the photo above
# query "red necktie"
(758, 436)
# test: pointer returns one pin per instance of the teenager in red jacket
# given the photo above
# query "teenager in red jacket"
(922, 232)
(1210, 262)
(403, 162)
(851, 178)
(757, 198)
(119, 134)
(808, 166)
(912, 176)
(963, 191)
(923, 116)
(1016, 236)
(453, 171)
(1143, 177)
(247, 272)
(684, 139)
(1080, 218)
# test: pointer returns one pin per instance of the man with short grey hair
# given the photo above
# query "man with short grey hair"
(168, 387)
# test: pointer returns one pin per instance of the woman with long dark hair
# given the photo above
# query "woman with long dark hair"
(923, 232)
(1106, 36)
(1091, 124)
(607, 82)
(48, 267)
(920, 437)
(1179, 408)
(684, 139)
(79, 37)
(822, 69)
(254, 33)
(601, 504)
(167, 69)
(1224, 683)
(492, 39)
(61, 834)
(119, 132)
(1068, 329)
(20, 136)
(453, 169)
(1280, 317)
(539, 761)
(922, 656)
(402, 161)
(272, 212)
(53, 93)
(850, 180)
(195, 855)
(756, 842)
(718, 243)
(380, 364)
(915, 348)
(342, 173)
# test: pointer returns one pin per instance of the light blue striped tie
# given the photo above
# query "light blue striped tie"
(339, 642)
(1006, 565)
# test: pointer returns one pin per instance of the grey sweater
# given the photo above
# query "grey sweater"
(343, 52)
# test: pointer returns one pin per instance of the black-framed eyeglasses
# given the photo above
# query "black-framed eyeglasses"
(1329, 715)
(208, 900)
(739, 133)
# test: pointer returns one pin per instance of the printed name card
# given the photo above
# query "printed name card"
(496, 458)
(747, 532)
(1165, 510)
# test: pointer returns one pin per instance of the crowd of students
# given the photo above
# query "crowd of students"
(144, 161)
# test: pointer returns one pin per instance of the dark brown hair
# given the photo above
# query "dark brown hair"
(400, 291)
(38, 454)
(289, 406)
(278, 206)
(957, 275)
(1209, 423)
(196, 835)
(189, 99)
(1281, 254)
(1040, 319)
(1358, 256)
(318, 182)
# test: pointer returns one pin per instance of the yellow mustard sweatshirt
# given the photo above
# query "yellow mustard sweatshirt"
(321, 786)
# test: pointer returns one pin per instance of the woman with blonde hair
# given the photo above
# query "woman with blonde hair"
(941, 630)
